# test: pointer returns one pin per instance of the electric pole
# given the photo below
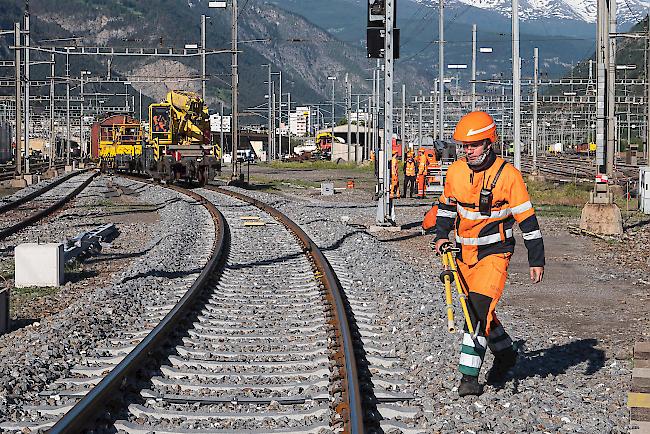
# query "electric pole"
(235, 92)
(533, 135)
(420, 101)
(221, 143)
(403, 119)
(611, 90)
(473, 67)
(348, 109)
(602, 56)
(441, 69)
(288, 124)
(67, 99)
(647, 90)
(516, 86)
(269, 99)
(203, 57)
(385, 208)
(52, 133)
(27, 75)
(17, 41)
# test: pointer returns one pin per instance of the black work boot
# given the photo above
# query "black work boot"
(503, 362)
(469, 386)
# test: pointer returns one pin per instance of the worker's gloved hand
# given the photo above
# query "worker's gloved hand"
(441, 246)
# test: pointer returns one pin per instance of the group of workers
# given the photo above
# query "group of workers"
(484, 196)
(415, 172)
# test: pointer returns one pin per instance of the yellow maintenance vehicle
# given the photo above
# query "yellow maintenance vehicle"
(120, 147)
(179, 139)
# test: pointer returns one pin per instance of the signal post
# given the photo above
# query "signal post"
(601, 214)
(383, 42)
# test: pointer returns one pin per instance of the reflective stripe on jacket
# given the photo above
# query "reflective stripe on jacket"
(481, 235)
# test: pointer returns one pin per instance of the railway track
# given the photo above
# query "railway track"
(567, 168)
(8, 172)
(27, 210)
(261, 341)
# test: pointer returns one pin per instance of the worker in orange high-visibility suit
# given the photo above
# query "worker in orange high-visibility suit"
(410, 170)
(394, 176)
(483, 198)
(421, 172)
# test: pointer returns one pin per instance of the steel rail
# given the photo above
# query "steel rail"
(85, 413)
(11, 205)
(4, 233)
(351, 409)
(8, 172)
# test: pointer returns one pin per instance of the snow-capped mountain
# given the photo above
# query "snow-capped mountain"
(629, 11)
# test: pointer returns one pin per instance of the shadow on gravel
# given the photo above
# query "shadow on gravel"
(338, 243)
(78, 276)
(402, 238)
(412, 205)
(340, 206)
(277, 260)
(636, 225)
(556, 360)
(144, 210)
(291, 256)
(412, 225)
(112, 257)
(256, 187)
(19, 323)
(163, 274)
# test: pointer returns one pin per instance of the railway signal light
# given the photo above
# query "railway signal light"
(375, 40)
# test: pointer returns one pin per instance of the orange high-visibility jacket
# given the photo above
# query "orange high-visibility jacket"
(409, 167)
(480, 235)
(394, 169)
(422, 165)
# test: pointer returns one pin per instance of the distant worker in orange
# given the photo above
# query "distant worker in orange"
(483, 198)
(410, 171)
(421, 172)
(394, 176)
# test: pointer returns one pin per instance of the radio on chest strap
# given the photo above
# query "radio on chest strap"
(485, 197)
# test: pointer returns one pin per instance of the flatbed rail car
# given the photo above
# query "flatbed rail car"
(121, 147)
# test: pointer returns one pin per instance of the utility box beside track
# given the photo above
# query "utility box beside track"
(644, 189)
(39, 265)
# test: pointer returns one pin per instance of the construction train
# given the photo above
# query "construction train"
(178, 144)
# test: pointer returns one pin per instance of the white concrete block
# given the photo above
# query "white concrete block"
(38, 264)
(326, 188)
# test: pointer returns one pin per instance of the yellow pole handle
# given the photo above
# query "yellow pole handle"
(448, 298)
(461, 294)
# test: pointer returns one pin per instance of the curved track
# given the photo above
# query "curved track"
(261, 342)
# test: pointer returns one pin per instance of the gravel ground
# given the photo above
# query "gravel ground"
(574, 372)
(162, 234)
(14, 194)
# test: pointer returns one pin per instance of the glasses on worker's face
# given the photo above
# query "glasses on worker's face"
(472, 145)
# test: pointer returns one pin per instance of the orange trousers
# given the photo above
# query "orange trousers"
(394, 189)
(420, 182)
(486, 277)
